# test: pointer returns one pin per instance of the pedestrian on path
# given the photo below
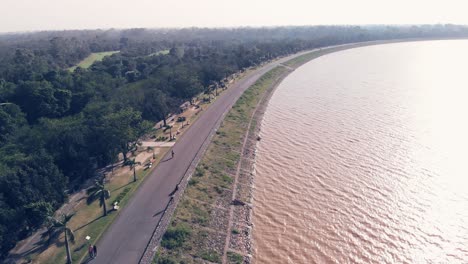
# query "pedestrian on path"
(91, 251)
(172, 153)
(95, 250)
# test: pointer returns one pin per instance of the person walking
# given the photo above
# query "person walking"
(91, 251)
(95, 250)
(172, 153)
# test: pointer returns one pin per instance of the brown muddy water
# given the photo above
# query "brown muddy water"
(364, 159)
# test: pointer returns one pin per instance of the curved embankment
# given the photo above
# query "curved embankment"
(139, 226)
(206, 215)
(213, 218)
(343, 137)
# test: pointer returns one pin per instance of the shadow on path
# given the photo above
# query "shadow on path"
(87, 260)
(88, 223)
(13, 258)
(158, 213)
(116, 189)
(168, 159)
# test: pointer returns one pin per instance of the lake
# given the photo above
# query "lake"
(363, 159)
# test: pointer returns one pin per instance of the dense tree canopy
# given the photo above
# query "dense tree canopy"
(57, 127)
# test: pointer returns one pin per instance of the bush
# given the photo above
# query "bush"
(218, 190)
(211, 255)
(227, 179)
(201, 216)
(193, 182)
(175, 236)
(221, 133)
(164, 260)
(199, 172)
(235, 258)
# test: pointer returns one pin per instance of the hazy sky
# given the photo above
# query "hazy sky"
(25, 15)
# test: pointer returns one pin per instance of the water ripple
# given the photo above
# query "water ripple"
(358, 165)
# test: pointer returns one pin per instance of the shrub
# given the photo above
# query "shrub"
(199, 172)
(201, 216)
(175, 236)
(164, 260)
(227, 179)
(218, 190)
(221, 133)
(193, 182)
(211, 255)
(235, 258)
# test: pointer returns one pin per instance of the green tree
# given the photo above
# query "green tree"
(155, 106)
(185, 83)
(68, 141)
(40, 99)
(133, 164)
(36, 213)
(11, 119)
(59, 226)
(124, 127)
(6, 90)
(99, 192)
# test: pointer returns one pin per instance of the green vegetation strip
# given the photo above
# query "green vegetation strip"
(96, 56)
(197, 231)
(299, 60)
(88, 221)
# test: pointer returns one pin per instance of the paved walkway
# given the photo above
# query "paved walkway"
(157, 144)
(126, 239)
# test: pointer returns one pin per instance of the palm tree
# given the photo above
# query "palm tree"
(99, 192)
(59, 226)
(133, 165)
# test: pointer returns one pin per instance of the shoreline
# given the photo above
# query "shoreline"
(263, 105)
(214, 208)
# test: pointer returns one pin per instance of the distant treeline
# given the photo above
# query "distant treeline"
(57, 126)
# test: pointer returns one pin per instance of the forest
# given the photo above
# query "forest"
(57, 126)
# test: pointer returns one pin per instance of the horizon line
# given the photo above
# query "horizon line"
(228, 27)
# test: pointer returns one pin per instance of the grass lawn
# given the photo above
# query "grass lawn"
(88, 220)
(96, 56)
(296, 62)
